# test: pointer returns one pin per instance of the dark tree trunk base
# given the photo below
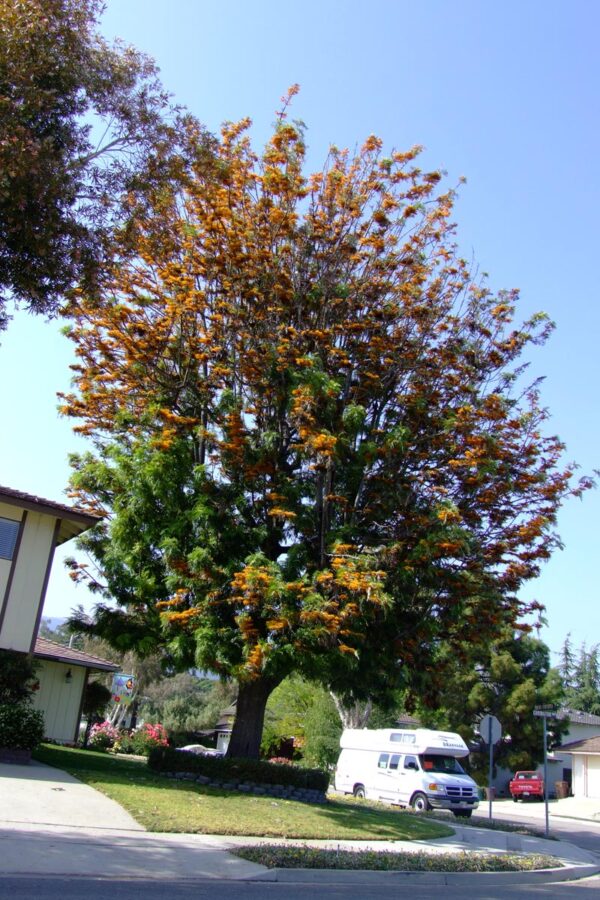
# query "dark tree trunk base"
(247, 729)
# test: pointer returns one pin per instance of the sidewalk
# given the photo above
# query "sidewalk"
(52, 824)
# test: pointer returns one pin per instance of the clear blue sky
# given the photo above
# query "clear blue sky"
(506, 94)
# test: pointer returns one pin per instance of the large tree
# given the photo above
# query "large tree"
(314, 449)
(84, 127)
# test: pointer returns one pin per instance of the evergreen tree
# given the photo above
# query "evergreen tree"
(507, 679)
(586, 689)
(567, 668)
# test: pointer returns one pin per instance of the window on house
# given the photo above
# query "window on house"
(9, 529)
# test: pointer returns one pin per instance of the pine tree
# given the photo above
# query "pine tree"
(567, 668)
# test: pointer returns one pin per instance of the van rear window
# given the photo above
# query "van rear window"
(402, 737)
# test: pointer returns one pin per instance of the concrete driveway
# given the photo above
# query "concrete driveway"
(39, 795)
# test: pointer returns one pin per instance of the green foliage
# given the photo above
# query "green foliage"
(507, 679)
(21, 727)
(96, 698)
(580, 672)
(305, 712)
(165, 759)
(185, 703)
(64, 182)
(17, 674)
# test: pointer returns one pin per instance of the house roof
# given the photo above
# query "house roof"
(45, 649)
(576, 717)
(587, 745)
(72, 520)
(408, 721)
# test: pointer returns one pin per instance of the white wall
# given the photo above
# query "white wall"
(22, 604)
(59, 700)
(7, 512)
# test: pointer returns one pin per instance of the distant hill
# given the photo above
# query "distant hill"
(53, 622)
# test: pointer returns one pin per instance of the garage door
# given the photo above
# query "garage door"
(593, 777)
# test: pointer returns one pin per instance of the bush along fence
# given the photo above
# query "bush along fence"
(244, 775)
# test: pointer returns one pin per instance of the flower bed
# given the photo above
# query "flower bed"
(302, 857)
(105, 736)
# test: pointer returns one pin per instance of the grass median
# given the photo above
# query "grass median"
(162, 804)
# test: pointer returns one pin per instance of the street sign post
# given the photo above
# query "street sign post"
(545, 713)
(490, 730)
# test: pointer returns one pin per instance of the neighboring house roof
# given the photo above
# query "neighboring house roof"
(587, 745)
(576, 717)
(72, 520)
(45, 649)
(407, 721)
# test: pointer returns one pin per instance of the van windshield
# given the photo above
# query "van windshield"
(431, 762)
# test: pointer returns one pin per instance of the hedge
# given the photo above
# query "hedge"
(167, 759)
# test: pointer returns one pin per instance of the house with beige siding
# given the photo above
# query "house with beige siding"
(30, 530)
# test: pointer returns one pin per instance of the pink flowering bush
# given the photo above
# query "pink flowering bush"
(281, 760)
(103, 736)
(149, 736)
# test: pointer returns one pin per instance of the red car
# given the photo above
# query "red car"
(526, 785)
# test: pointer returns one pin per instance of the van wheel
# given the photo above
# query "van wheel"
(515, 799)
(419, 803)
(463, 813)
(359, 791)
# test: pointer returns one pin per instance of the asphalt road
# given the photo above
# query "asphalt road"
(100, 889)
(579, 832)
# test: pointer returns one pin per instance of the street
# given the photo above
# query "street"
(582, 833)
(99, 889)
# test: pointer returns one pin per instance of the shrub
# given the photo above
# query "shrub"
(95, 698)
(124, 743)
(226, 769)
(21, 726)
(147, 737)
(103, 736)
(17, 672)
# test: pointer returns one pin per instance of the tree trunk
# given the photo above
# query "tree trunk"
(249, 718)
(355, 716)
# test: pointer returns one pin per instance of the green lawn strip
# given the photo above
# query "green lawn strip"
(276, 857)
(162, 804)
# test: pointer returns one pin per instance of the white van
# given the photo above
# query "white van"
(417, 768)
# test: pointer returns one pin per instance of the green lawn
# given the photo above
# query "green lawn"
(160, 804)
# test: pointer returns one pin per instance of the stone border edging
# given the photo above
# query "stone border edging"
(278, 791)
